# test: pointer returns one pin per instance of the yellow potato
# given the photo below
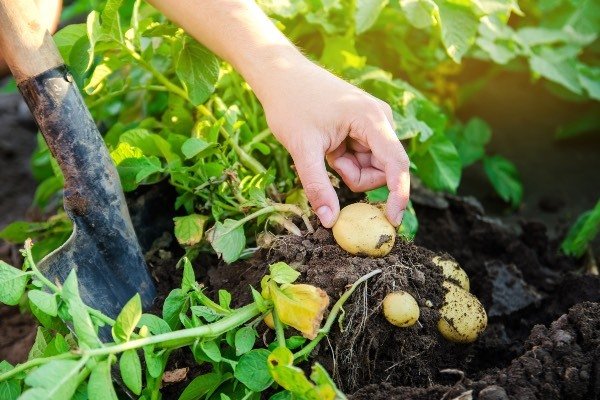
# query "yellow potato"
(400, 309)
(462, 316)
(363, 229)
(451, 270)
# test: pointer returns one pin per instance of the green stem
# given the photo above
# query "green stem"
(278, 329)
(246, 159)
(259, 137)
(34, 363)
(306, 350)
(34, 268)
(183, 337)
(171, 87)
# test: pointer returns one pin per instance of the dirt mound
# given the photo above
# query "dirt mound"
(561, 362)
(368, 349)
(519, 276)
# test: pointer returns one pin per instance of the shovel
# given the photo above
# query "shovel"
(103, 248)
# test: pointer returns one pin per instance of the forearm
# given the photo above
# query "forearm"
(239, 32)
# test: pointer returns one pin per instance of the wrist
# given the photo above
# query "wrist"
(271, 69)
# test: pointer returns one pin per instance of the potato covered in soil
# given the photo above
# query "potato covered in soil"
(462, 316)
(400, 309)
(364, 229)
(451, 270)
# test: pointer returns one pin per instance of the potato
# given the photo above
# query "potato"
(363, 229)
(462, 317)
(400, 309)
(451, 270)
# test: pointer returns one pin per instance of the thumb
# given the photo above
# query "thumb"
(315, 181)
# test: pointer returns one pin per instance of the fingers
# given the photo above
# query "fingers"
(358, 174)
(310, 165)
(388, 150)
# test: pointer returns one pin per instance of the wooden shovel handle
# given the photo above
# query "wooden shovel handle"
(25, 43)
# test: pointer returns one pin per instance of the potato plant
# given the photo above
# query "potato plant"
(172, 111)
(77, 346)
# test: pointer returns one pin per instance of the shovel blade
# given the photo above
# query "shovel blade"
(103, 248)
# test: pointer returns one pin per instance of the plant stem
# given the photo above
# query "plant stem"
(157, 74)
(34, 363)
(246, 159)
(183, 337)
(259, 137)
(278, 329)
(306, 350)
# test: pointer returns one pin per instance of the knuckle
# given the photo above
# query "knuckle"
(314, 191)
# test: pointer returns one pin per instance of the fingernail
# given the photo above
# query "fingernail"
(326, 216)
(397, 220)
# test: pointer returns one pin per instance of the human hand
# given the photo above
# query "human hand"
(318, 116)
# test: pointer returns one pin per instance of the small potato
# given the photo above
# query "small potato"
(400, 309)
(462, 317)
(451, 270)
(363, 229)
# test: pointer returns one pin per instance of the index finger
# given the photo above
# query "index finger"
(388, 150)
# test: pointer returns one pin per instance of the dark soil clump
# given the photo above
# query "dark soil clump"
(369, 349)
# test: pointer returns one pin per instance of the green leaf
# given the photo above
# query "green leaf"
(281, 368)
(459, 25)
(58, 345)
(252, 370)
(420, 13)
(563, 72)
(100, 386)
(84, 328)
(211, 349)
(133, 171)
(12, 284)
(282, 273)
(227, 239)
(57, 379)
(224, 298)
(208, 314)
(440, 166)
(131, 371)
(189, 230)
(111, 25)
(127, 319)
(244, 340)
(39, 346)
(197, 69)
(470, 142)
(378, 195)
(96, 81)
(505, 179)
(259, 300)
(67, 37)
(188, 281)
(589, 78)
(173, 306)
(154, 363)
(201, 385)
(46, 302)
(155, 324)
(366, 13)
(410, 224)
(194, 146)
(11, 389)
(582, 232)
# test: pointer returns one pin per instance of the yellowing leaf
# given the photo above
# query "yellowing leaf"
(189, 230)
(299, 306)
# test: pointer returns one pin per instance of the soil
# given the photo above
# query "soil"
(519, 276)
